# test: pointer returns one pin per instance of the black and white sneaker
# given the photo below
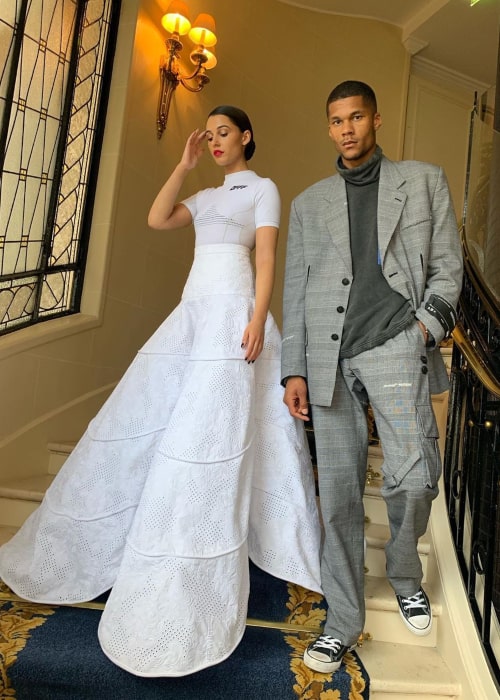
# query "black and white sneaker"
(325, 654)
(416, 612)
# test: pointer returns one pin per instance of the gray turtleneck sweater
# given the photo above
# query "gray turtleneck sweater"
(375, 311)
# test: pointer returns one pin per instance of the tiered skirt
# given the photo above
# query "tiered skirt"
(191, 466)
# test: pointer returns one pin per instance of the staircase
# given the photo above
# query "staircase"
(401, 665)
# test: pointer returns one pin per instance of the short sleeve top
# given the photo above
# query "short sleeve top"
(232, 212)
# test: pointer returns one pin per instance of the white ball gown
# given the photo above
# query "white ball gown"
(191, 466)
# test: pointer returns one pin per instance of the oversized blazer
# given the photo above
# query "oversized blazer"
(420, 255)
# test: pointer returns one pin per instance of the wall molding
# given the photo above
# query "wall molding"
(46, 332)
(437, 73)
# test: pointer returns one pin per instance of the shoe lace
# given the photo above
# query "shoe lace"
(415, 601)
(327, 642)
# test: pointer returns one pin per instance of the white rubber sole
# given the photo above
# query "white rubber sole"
(416, 630)
(323, 666)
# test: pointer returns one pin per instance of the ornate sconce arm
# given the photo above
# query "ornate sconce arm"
(202, 34)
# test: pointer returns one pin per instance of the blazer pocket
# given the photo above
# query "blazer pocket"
(410, 221)
(399, 282)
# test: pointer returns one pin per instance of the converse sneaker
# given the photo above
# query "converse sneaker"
(325, 654)
(416, 612)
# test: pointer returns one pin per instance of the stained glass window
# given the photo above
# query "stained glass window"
(55, 64)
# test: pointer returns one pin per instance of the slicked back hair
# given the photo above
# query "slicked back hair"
(239, 119)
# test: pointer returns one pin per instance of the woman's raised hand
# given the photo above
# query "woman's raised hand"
(193, 149)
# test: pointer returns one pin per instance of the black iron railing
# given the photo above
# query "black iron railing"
(472, 451)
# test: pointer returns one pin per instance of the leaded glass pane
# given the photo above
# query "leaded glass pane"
(52, 61)
(55, 292)
(17, 300)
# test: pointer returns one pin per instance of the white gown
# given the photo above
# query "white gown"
(192, 465)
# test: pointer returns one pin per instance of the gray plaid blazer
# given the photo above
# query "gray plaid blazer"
(421, 259)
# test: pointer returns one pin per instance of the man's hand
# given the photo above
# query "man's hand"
(424, 330)
(296, 398)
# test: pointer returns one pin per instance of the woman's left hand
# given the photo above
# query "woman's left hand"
(253, 339)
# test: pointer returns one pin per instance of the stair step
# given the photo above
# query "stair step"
(405, 672)
(389, 665)
(401, 666)
(20, 497)
(376, 536)
(375, 456)
(375, 508)
(28, 488)
(383, 621)
(58, 454)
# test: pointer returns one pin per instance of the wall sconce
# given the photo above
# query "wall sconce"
(202, 34)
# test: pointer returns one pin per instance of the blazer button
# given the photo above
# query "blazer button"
(424, 370)
(345, 281)
(340, 309)
(334, 336)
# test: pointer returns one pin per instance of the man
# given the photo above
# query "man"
(373, 274)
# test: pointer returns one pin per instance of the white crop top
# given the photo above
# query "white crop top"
(232, 212)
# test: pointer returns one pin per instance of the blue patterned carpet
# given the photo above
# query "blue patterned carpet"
(52, 653)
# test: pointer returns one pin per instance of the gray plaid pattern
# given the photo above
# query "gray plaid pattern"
(420, 252)
(391, 375)
(421, 259)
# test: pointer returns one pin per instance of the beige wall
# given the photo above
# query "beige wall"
(53, 376)
(277, 62)
(437, 125)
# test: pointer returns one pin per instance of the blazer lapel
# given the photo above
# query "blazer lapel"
(337, 220)
(391, 201)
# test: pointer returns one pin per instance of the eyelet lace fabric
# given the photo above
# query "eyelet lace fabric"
(192, 465)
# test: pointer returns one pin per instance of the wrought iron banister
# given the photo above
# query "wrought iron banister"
(472, 450)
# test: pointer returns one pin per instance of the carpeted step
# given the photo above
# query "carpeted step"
(62, 660)
(275, 600)
(52, 653)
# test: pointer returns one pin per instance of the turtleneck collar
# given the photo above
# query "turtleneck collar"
(239, 175)
(363, 174)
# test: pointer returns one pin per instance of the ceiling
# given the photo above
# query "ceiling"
(449, 33)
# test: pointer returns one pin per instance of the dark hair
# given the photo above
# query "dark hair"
(239, 119)
(352, 88)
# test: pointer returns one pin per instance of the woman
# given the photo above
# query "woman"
(193, 463)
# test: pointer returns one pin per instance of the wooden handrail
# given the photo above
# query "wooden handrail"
(484, 374)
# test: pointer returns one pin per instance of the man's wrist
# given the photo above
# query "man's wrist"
(430, 341)
(291, 376)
